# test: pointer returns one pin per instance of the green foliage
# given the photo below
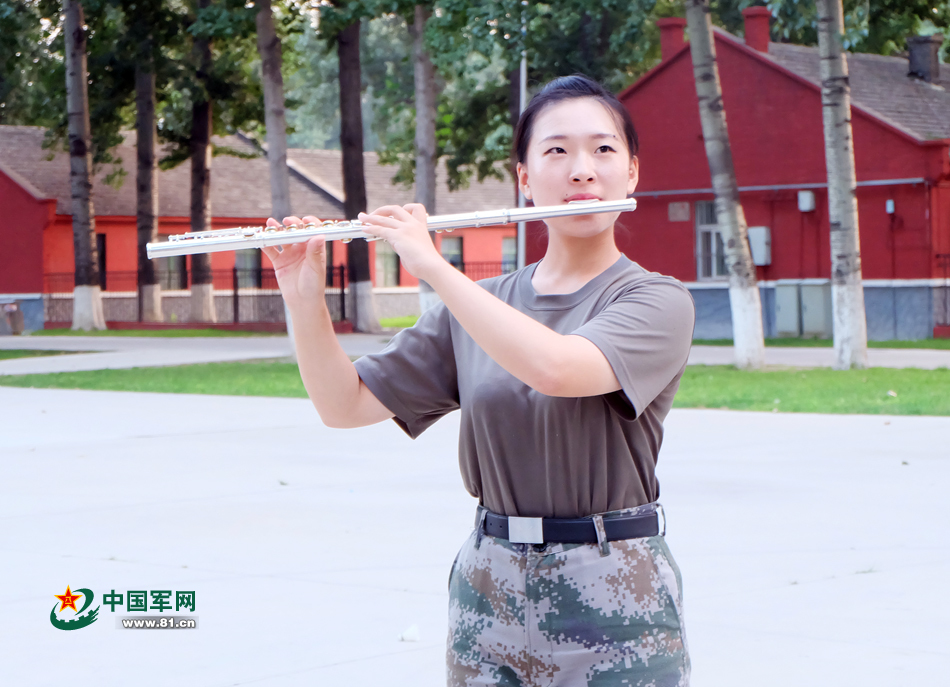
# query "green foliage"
(32, 75)
(120, 35)
(233, 84)
(385, 53)
(477, 47)
(872, 26)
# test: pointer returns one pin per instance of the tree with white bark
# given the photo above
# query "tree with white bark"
(847, 290)
(340, 23)
(87, 298)
(146, 187)
(275, 123)
(202, 286)
(743, 289)
(362, 305)
(427, 155)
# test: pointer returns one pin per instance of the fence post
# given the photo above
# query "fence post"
(342, 293)
(234, 300)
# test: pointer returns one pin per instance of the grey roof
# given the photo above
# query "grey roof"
(326, 167)
(881, 85)
(239, 187)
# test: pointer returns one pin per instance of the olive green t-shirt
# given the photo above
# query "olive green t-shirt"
(524, 453)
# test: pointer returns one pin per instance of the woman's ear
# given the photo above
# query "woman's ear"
(634, 174)
(523, 186)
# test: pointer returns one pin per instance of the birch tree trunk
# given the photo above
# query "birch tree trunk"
(361, 302)
(87, 299)
(426, 154)
(275, 122)
(202, 288)
(514, 114)
(847, 290)
(743, 290)
(146, 190)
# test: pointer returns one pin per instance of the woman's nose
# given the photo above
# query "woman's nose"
(582, 170)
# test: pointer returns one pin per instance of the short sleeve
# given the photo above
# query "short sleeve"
(645, 334)
(415, 376)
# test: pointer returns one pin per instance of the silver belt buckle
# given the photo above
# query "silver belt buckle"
(525, 530)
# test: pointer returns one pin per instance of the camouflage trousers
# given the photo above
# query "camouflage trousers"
(532, 615)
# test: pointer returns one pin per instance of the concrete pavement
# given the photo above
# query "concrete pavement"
(122, 352)
(814, 549)
(126, 352)
(923, 358)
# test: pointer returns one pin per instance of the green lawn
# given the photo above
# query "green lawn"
(165, 333)
(19, 353)
(254, 378)
(943, 344)
(398, 322)
(874, 391)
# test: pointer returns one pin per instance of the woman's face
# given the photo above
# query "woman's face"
(577, 152)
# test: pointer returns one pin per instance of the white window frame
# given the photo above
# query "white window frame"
(710, 247)
(509, 260)
(248, 264)
(452, 240)
(387, 265)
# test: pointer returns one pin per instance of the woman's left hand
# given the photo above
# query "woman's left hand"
(404, 228)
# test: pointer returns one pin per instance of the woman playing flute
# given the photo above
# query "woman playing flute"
(564, 372)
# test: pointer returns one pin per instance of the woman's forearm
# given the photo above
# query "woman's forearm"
(550, 363)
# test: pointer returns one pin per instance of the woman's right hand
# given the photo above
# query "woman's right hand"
(300, 268)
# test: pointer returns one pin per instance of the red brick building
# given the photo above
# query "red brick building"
(36, 222)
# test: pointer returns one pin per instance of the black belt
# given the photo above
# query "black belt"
(574, 530)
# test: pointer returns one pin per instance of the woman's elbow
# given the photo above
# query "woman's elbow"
(332, 418)
(549, 380)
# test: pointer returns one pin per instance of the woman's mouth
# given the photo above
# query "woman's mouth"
(581, 196)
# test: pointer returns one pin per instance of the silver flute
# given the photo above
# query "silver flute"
(240, 238)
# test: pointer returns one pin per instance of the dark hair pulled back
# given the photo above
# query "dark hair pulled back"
(569, 88)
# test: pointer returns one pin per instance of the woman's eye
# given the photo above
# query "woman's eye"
(557, 150)
(605, 149)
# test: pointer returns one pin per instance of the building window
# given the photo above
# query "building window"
(101, 252)
(387, 265)
(248, 266)
(509, 254)
(172, 271)
(710, 249)
(452, 250)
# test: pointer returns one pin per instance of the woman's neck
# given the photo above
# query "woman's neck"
(570, 262)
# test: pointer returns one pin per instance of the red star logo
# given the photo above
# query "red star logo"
(68, 600)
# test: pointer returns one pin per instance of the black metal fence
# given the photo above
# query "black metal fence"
(240, 296)
(486, 270)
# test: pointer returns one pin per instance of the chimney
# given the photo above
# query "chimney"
(923, 52)
(757, 27)
(671, 36)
